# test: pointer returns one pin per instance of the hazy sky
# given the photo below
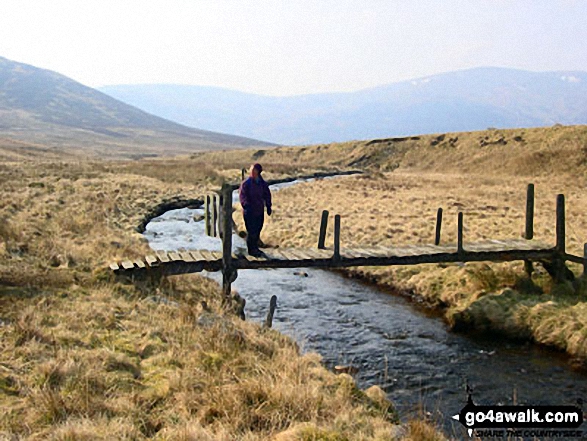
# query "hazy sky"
(289, 47)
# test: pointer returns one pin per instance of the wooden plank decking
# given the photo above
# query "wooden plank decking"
(199, 260)
(218, 220)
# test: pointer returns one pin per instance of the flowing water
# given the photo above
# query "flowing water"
(411, 354)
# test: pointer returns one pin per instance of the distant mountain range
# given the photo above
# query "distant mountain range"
(466, 100)
(43, 108)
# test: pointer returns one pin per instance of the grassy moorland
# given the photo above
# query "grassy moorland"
(44, 110)
(84, 356)
(482, 174)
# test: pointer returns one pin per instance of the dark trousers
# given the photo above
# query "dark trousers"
(254, 225)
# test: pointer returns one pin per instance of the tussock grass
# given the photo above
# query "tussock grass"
(87, 357)
(482, 174)
(528, 152)
(112, 360)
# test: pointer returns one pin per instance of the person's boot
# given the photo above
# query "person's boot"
(256, 253)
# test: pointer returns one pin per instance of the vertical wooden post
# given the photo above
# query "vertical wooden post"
(217, 207)
(529, 234)
(272, 306)
(221, 216)
(438, 226)
(227, 269)
(560, 223)
(207, 215)
(336, 237)
(214, 216)
(460, 233)
(528, 268)
(243, 173)
(323, 226)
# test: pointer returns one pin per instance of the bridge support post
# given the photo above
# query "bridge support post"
(460, 233)
(528, 268)
(438, 226)
(217, 208)
(529, 233)
(207, 220)
(323, 226)
(221, 216)
(560, 223)
(557, 268)
(213, 215)
(228, 270)
(336, 255)
(272, 305)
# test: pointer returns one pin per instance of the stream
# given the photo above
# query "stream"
(395, 344)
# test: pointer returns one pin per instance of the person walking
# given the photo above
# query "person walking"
(254, 195)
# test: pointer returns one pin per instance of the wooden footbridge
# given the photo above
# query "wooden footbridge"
(219, 223)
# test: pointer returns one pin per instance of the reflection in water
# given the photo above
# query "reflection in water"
(411, 355)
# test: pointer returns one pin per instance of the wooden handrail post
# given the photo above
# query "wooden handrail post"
(323, 226)
(211, 208)
(227, 269)
(560, 223)
(207, 214)
(221, 216)
(214, 215)
(243, 173)
(529, 234)
(438, 226)
(336, 255)
(460, 233)
(217, 207)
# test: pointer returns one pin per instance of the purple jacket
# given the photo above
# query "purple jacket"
(254, 196)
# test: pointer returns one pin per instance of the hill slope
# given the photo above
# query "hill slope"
(547, 152)
(43, 107)
(473, 99)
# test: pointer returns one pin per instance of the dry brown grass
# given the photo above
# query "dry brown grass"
(63, 220)
(397, 208)
(543, 152)
(277, 162)
(461, 288)
(86, 357)
(113, 361)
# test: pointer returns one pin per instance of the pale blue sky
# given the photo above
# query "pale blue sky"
(289, 47)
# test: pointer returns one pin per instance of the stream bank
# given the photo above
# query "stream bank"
(411, 354)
